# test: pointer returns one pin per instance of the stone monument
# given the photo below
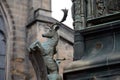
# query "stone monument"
(48, 48)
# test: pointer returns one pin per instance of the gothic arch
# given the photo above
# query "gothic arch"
(8, 34)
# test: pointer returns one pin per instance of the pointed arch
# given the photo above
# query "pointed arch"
(2, 48)
(6, 35)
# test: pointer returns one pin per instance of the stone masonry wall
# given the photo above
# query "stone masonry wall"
(19, 13)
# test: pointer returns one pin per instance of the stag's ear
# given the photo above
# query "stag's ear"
(56, 28)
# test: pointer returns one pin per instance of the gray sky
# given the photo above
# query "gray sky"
(57, 5)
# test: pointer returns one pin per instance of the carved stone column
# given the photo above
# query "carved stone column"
(77, 18)
(78, 14)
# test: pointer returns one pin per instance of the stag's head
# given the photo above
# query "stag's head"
(51, 31)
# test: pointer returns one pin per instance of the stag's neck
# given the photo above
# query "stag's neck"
(54, 39)
(52, 42)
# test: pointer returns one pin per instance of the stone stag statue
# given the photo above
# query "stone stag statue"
(48, 49)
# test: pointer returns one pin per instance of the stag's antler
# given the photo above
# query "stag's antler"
(65, 11)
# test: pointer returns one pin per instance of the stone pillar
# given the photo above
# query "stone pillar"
(79, 17)
(78, 45)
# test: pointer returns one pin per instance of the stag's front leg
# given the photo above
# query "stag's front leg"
(33, 46)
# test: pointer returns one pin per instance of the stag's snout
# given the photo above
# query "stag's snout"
(47, 35)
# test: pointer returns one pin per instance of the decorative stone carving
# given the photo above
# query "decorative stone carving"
(100, 7)
(78, 14)
(76, 9)
(104, 7)
(113, 6)
(48, 49)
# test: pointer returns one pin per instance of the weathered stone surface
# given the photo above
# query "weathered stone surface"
(100, 42)
(64, 48)
(17, 15)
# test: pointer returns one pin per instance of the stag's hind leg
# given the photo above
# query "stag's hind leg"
(51, 64)
(52, 68)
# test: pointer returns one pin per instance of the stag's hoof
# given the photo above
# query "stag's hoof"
(31, 48)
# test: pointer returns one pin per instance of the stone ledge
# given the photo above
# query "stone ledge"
(46, 19)
(88, 64)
